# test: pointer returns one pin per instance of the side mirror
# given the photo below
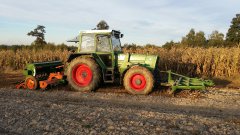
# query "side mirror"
(121, 35)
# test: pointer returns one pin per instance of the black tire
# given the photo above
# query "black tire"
(31, 83)
(138, 81)
(83, 74)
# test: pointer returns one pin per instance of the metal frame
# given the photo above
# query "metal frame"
(184, 82)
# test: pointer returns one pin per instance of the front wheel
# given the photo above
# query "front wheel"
(138, 81)
(84, 74)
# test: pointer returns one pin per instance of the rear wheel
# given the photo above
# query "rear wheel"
(31, 83)
(138, 80)
(84, 74)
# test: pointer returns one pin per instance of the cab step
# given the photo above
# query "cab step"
(109, 75)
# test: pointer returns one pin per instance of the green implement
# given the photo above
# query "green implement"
(42, 74)
(184, 82)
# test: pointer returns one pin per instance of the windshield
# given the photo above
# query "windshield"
(116, 44)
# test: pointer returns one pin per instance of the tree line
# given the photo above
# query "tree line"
(198, 39)
(192, 39)
(215, 39)
(39, 42)
(47, 46)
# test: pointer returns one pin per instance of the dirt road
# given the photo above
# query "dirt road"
(58, 111)
(111, 110)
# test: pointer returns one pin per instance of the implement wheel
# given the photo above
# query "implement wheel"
(84, 74)
(138, 81)
(31, 83)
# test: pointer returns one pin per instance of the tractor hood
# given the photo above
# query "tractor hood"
(128, 60)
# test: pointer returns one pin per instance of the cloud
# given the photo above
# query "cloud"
(153, 21)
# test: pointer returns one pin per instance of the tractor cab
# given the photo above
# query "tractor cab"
(100, 41)
(104, 46)
(104, 43)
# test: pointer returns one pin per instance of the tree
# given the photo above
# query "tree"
(169, 45)
(233, 34)
(199, 39)
(193, 39)
(102, 25)
(189, 39)
(216, 39)
(39, 33)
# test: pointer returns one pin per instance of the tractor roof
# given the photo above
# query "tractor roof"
(100, 31)
(117, 33)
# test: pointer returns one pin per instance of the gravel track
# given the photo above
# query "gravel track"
(58, 111)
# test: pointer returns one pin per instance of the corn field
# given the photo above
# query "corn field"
(210, 62)
(202, 62)
(17, 60)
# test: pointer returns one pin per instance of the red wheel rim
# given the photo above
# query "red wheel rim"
(30, 84)
(82, 75)
(138, 82)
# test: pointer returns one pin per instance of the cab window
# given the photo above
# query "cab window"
(87, 43)
(103, 43)
(116, 44)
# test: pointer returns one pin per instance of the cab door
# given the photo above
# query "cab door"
(104, 50)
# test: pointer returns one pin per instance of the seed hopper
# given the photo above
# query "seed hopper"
(42, 74)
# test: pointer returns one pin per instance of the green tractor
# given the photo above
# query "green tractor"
(99, 60)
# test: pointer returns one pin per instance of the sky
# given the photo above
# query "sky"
(141, 21)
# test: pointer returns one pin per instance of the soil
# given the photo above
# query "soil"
(111, 110)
